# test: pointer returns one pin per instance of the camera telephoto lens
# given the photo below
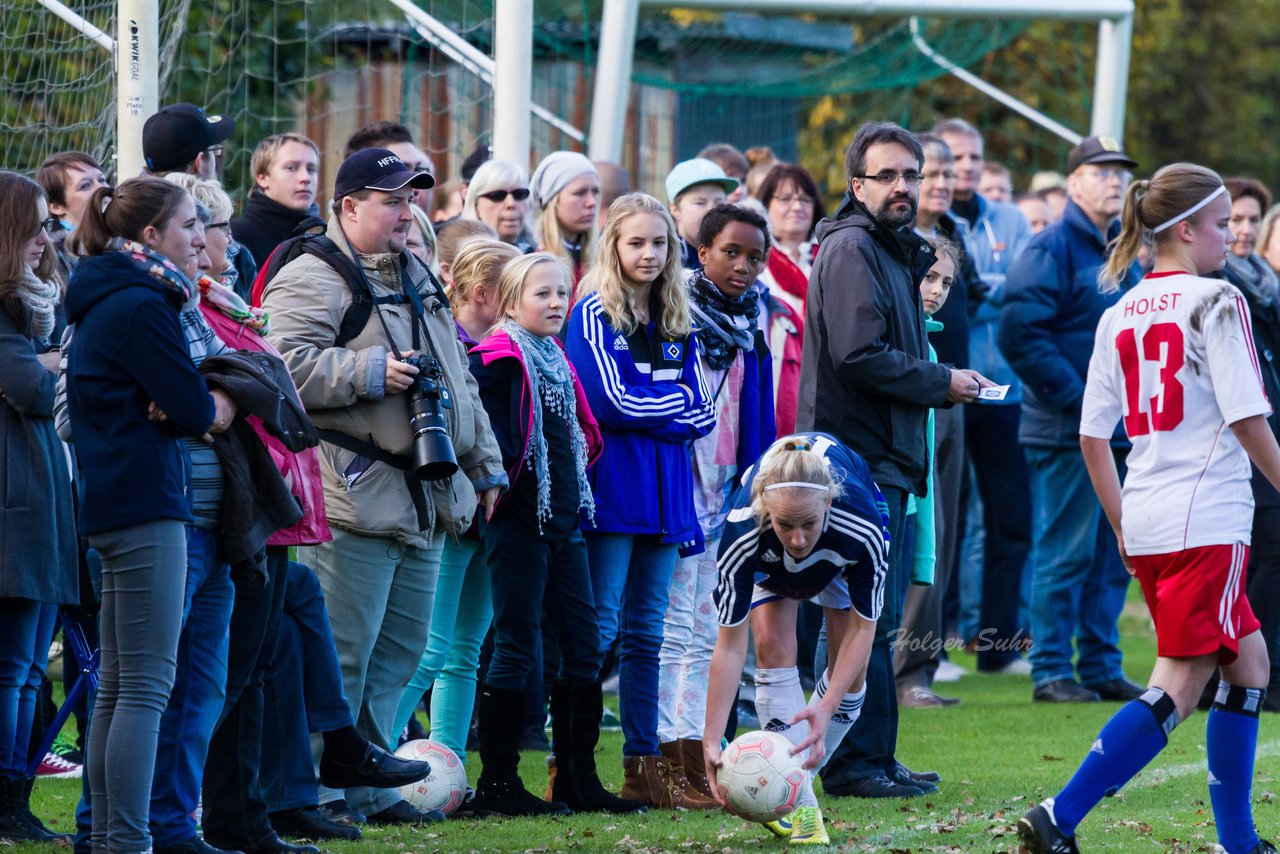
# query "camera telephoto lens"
(433, 457)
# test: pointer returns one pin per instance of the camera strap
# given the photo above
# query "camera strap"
(366, 448)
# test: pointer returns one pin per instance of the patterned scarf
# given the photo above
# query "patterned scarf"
(551, 382)
(40, 298)
(156, 266)
(227, 301)
(725, 325)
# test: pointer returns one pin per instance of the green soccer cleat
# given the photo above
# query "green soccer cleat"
(807, 827)
(780, 827)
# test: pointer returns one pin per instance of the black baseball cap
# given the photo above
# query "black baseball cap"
(477, 158)
(1098, 149)
(176, 135)
(377, 169)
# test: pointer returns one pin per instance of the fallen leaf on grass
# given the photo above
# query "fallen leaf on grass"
(1047, 758)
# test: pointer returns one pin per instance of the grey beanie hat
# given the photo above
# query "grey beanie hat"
(556, 171)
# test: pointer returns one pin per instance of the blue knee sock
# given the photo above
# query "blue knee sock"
(1231, 738)
(1128, 741)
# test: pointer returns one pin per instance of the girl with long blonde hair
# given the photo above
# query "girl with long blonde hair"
(630, 340)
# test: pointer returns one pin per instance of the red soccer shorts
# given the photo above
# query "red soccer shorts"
(1197, 600)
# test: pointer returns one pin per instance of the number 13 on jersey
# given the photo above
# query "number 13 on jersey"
(1156, 405)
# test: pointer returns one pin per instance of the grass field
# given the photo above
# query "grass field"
(997, 754)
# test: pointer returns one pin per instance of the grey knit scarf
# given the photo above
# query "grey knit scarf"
(1256, 277)
(40, 298)
(551, 383)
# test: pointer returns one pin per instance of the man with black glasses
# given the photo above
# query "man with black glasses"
(866, 378)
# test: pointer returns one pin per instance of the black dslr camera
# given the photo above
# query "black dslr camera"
(433, 457)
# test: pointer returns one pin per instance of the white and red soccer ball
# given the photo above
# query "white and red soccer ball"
(759, 779)
(445, 787)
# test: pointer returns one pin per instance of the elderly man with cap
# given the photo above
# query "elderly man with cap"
(181, 138)
(396, 407)
(1051, 310)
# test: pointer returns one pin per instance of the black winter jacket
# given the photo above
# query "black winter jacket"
(866, 376)
(257, 501)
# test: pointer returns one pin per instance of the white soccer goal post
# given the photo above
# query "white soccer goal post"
(1111, 71)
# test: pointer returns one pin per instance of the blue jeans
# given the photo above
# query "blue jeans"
(24, 654)
(305, 666)
(868, 750)
(461, 618)
(631, 579)
(1078, 584)
(199, 691)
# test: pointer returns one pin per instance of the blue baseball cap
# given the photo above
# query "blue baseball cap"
(699, 170)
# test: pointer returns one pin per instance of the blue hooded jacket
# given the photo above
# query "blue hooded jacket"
(643, 483)
(128, 350)
(1051, 310)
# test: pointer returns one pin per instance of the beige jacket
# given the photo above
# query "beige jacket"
(343, 390)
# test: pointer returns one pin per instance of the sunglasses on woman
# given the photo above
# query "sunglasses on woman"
(500, 196)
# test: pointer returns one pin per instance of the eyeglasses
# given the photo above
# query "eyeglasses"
(1106, 173)
(225, 226)
(888, 178)
(788, 201)
(945, 174)
(49, 225)
(215, 150)
(500, 196)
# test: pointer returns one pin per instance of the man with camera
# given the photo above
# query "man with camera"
(408, 455)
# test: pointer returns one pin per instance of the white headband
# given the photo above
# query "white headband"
(800, 484)
(1191, 211)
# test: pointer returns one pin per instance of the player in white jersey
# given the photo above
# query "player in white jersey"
(1174, 360)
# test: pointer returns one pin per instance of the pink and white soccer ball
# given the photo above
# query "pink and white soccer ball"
(759, 779)
(445, 787)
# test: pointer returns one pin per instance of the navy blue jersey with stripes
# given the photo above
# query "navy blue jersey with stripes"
(854, 543)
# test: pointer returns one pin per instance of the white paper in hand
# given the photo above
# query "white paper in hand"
(996, 392)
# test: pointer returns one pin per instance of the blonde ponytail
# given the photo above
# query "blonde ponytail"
(1172, 192)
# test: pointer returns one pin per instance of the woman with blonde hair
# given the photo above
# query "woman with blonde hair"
(498, 196)
(566, 195)
(1173, 362)
(630, 339)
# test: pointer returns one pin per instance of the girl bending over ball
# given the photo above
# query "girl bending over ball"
(807, 522)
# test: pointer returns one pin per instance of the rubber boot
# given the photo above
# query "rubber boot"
(575, 722)
(499, 790)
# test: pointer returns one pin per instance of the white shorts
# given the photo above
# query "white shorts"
(834, 595)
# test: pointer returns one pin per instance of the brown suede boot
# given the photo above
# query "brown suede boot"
(695, 766)
(690, 798)
(648, 779)
(551, 778)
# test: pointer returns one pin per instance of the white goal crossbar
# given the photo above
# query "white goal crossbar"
(1111, 71)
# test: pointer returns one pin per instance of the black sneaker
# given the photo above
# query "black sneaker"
(1040, 835)
(877, 787)
(403, 812)
(340, 812)
(194, 845)
(310, 823)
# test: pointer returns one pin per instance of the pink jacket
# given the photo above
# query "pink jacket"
(497, 402)
(300, 471)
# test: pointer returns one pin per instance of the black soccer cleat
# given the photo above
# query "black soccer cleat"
(1040, 835)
